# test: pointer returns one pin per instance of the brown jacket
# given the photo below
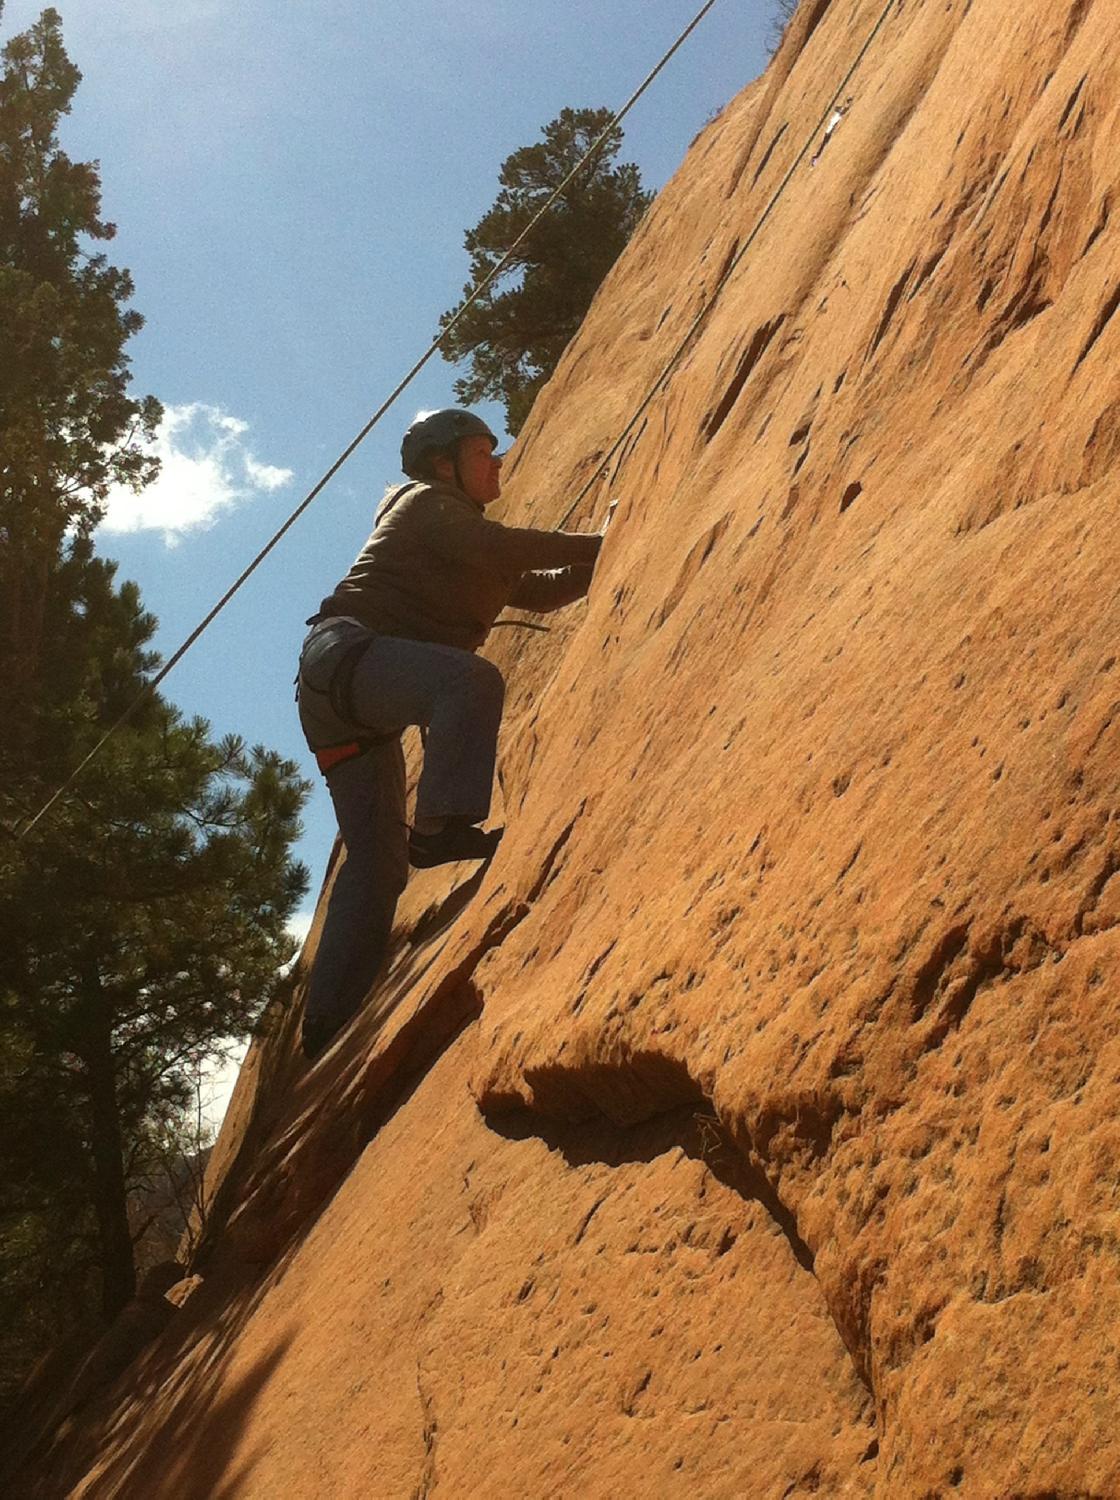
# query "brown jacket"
(435, 569)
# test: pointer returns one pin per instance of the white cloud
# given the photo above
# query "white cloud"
(217, 1084)
(299, 924)
(266, 476)
(206, 467)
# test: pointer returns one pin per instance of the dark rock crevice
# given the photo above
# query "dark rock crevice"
(428, 1480)
(691, 1127)
(640, 1106)
(757, 347)
(1104, 318)
(684, 1120)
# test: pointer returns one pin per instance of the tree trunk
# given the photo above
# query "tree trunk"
(23, 585)
(118, 1269)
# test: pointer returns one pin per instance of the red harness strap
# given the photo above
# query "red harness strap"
(334, 755)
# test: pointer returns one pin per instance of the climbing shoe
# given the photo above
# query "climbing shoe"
(456, 840)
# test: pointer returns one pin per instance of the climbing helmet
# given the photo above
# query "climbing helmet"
(434, 432)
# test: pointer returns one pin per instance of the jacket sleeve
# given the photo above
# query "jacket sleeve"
(456, 532)
(543, 592)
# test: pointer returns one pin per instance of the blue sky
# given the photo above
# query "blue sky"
(291, 183)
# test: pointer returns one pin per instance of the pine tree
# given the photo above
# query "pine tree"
(144, 920)
(784, 12)
(144, 925)
(515, 334)
(69, 429)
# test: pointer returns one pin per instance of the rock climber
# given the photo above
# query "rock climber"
(394, 645)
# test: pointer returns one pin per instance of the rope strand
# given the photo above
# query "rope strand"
(700, 318)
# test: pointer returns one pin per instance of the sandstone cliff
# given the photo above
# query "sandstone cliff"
(750, 1127)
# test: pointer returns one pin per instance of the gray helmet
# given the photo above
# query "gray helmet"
(435, 432)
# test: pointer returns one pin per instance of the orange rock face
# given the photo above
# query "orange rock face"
(752, 1129)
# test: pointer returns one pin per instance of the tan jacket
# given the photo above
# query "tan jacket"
(435, 569)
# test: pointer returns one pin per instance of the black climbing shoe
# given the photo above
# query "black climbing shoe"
(318, 1033)
(457, 840)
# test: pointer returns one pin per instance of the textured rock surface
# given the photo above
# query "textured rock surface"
(752, 1130)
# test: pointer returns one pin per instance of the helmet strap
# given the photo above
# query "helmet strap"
(455, 462)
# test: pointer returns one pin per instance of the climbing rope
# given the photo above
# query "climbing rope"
(666, 372)
(153, 683)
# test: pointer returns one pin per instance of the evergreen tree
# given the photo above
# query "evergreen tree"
(784, 12)
(515, 334)
(144, 918)
(69, 429)
(144, 924)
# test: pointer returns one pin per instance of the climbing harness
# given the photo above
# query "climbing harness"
(338, 690)
(177, 655)
(339, 693)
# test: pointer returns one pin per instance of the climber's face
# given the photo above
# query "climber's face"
(480, 469)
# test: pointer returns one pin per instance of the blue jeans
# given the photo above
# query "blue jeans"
(457, 698)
